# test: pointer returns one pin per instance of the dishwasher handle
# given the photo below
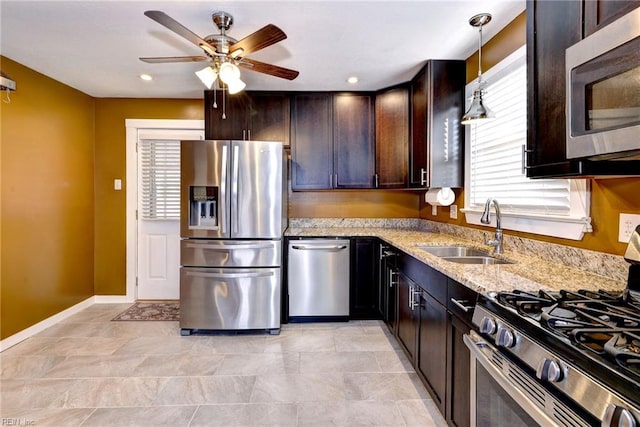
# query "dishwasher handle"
(332, 248)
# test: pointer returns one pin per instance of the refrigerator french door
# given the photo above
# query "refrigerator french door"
(232, 219)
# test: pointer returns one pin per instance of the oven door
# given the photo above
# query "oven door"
(502, 394)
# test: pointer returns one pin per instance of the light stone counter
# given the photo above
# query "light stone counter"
(527, 273)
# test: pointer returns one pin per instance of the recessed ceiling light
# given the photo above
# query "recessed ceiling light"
(353, 80)
(146, 77)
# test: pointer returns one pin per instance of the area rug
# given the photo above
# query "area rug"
(150, 311)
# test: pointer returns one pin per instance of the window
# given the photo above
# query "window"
(160, 178)
(495, 169)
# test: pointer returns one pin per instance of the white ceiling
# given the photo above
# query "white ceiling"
(94, 46)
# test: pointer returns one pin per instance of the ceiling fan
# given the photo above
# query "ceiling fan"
(224, 53)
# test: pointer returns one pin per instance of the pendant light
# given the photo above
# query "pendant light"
(478, 111)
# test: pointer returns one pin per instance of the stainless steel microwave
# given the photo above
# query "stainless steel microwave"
(603, 92)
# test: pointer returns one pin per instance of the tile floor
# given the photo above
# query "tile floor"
(90, 371)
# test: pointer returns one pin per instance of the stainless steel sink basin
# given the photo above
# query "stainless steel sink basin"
(463, 254)
(486, 260)
(452, 251)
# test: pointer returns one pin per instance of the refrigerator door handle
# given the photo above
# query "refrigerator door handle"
(234, 187)
(223, 192)
(253, 273)
(228, 247)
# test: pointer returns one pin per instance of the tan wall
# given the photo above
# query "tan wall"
(47, 199)
(110, 147)
(609, 197)
(354, 204)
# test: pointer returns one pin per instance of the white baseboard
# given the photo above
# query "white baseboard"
(50, 321)
(113, 299)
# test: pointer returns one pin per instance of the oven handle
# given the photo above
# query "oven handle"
(480, 351)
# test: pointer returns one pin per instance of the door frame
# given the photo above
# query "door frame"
(133, 129)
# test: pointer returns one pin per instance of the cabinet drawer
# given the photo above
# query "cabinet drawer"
(461, 300)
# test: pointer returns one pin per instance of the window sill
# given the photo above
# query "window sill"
(564, 227)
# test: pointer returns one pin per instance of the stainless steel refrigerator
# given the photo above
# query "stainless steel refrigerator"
(233, 213)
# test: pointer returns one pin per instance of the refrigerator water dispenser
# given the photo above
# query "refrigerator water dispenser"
(203, 207)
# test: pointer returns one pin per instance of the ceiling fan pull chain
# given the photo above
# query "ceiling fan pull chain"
(224, 105)
(215, 96)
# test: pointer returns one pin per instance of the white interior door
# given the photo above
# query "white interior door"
(158, 207)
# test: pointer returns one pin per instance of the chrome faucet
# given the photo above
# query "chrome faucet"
(496, 243)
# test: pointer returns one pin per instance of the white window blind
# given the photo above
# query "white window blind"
(160, 176)
(496, 154)
(495, 164)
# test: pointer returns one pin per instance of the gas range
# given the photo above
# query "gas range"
(575, 350)
(567, 358)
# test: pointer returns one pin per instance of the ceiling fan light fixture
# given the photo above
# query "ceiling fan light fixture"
(229, 72)
(477, 111)
(207, 76)
(236, 86)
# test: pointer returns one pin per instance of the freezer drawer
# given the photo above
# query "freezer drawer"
(318, 273)
(229, 299)
(230, 253)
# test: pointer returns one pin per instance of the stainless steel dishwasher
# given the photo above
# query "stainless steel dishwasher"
(318, 282)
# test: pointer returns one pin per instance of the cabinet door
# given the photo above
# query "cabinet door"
(229, 119)
(269, 117)
(407, 315)
(552, 26)
(419, 109)
(459, 397)
(353, 141)
(364, 279)
(311, 142)
(431, 361)
(388, 293)
(392, 137)
(598, 13)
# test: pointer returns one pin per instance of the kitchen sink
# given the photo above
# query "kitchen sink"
(453, 251)
(463, 254)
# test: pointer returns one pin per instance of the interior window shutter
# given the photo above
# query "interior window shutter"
(496, 153)
(160, 178)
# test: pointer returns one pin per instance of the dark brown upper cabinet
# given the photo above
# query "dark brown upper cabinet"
(598, 13)
(392, 113)
(333, 142)
(437, 137)
(259, 116)
(353, 141)
(311, 141)
(552, 27)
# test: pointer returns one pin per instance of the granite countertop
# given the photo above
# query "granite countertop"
(526, 273)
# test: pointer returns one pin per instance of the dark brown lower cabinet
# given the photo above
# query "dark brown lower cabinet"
(408, 315)
(431, 360)
(434, 313)
(364, 292)
(458, 374)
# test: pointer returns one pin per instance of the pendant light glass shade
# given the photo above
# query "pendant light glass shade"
(207, 76)
(477, 111)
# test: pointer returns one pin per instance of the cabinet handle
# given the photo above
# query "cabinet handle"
(423, 176)
(391, 281)
(330, 180)
(524, 158)
(376, 180)
(249, 133)
(335, 181)
(461, 305)
(244, 135)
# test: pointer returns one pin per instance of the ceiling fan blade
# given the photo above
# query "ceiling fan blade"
(264, 37)
(164, 19)
(263, 67)
(163, 59)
